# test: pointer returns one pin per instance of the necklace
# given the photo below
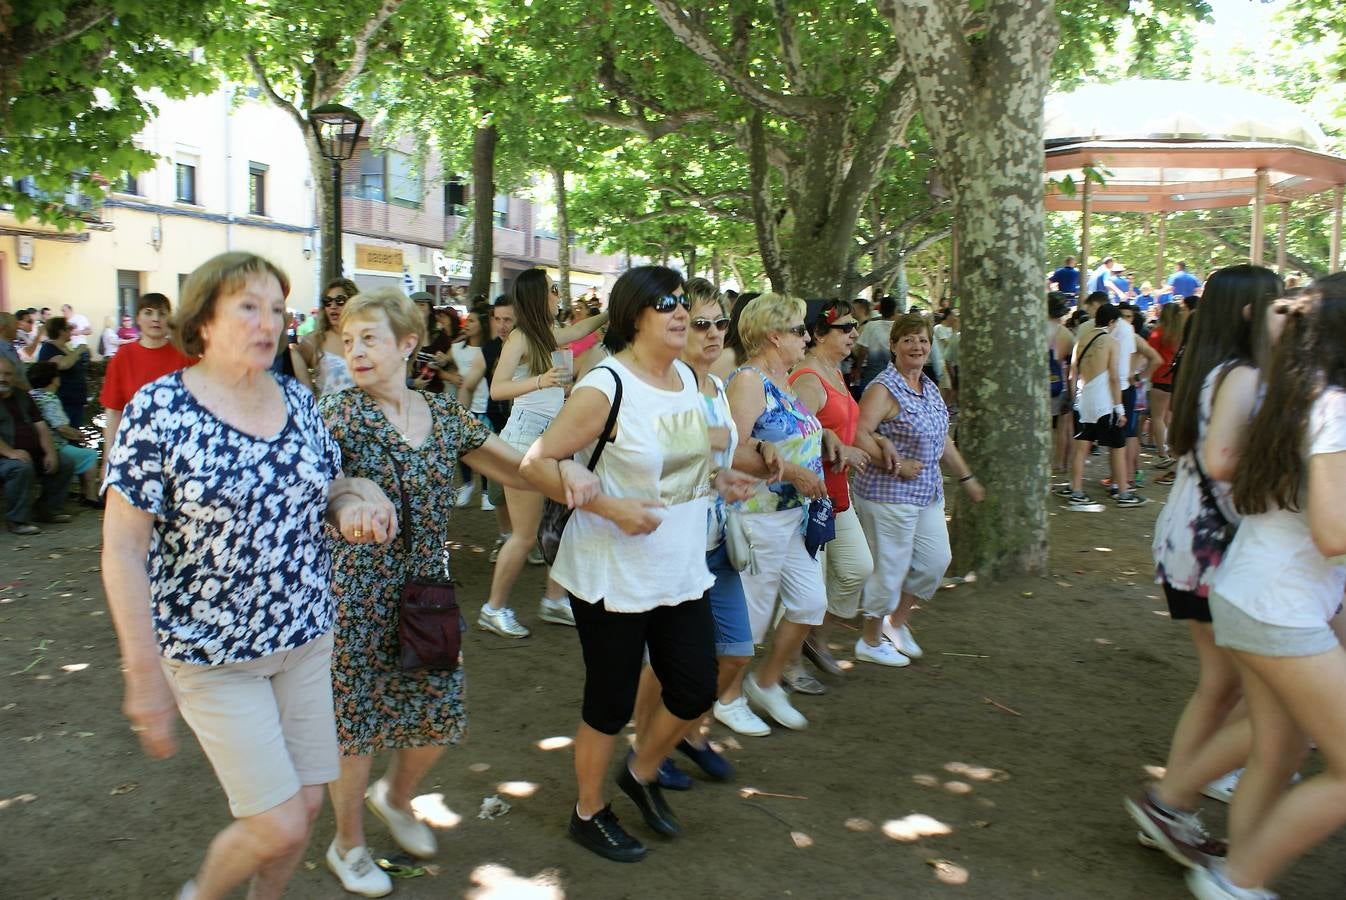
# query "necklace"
(405, 430)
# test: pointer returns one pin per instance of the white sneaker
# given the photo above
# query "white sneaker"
(411, 834)
(1211, 884)
(500, 542)
(501, 621)
(464, 495)
(486, 504)
(774, 702)
(1222, 788)
(736, 715)
(558, 612)
(885, 654)
(357, 872)
(535, 557)
(902, 639)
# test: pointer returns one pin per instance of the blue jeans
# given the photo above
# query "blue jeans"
(733, 633)
(18, 477)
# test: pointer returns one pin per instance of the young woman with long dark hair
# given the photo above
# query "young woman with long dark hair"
(526, 376)
(1277, 594)
(1213, 401)
(1165, 339)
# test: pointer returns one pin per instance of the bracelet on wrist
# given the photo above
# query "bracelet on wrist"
(966, 478)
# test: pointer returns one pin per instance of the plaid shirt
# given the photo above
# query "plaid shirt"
(918, 432)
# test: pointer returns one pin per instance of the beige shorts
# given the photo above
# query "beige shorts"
(266, 725)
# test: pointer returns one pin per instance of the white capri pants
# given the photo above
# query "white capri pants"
(785, 569)
(847, 565)
(910, 545)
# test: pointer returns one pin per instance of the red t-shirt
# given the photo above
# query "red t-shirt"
(841, 414)
(1163, 373)
(135, 366)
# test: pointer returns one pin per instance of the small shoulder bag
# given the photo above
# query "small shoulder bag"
(556, 515)
(429, 623)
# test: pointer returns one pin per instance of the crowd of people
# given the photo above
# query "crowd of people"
(717, 479)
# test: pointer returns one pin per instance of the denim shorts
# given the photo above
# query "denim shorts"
(733, 633)
(523, 428)
(1236, 630)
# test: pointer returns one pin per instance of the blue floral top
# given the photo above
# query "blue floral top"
(238, 565)
(797, 434)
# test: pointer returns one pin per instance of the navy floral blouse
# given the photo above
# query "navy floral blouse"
(239, 566)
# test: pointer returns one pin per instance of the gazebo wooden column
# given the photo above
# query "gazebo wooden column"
(1334, 255)
(1086, 263)
(1280, 237)
(1161, 245)
(1259, 217)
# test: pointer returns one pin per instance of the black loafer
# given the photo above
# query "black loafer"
(649, 799)
(604, 835)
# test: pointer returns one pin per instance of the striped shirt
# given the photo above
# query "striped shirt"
(918, 432)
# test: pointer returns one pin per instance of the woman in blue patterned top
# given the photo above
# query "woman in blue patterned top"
(218, 574)
(900, 502)
(766, 411)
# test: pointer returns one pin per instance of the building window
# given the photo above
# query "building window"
(186, 182)
(403, 181)
(257, 188)
(370, 186)
(500, 212)
(128, 291)
(455, 197)
(128, 184)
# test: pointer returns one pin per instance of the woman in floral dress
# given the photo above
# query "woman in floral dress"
(403, 440)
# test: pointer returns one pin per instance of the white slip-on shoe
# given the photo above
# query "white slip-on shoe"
(903, 640)
(774, 703)
(885, 654)
(736, 716)
(411, 834)
(357, 872)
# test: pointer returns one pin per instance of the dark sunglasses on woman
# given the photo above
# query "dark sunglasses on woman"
(797, 331)
(335, 300)
(721, 324)
(668, 303)
(844, 327)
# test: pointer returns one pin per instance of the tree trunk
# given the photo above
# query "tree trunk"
(690, 260)
(983, 105)
(558, 177)
(483, 212)
(320, 169)
(715, 267)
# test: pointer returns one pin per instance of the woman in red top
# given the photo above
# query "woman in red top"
(1165, 339)
(847, 563)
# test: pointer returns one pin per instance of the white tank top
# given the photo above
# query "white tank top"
(546, 402)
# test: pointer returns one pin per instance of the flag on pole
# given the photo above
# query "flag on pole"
(408, 283)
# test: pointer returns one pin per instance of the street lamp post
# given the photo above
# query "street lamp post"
(337, 129)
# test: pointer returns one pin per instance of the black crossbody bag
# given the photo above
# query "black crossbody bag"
(556, 515)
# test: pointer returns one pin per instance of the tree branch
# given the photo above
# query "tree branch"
(902, 227)
(653, 129)
(264, 83)
(326, 93)
(77, 22)
(699, 42)
(763, 213)
(882, 272)
(789, 47)
(891, 119)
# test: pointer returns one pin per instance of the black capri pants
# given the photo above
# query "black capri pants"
(681, 642)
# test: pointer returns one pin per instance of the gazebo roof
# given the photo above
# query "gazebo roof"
(1173, 145)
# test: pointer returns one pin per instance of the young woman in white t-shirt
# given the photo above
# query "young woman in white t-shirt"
(1276, 596)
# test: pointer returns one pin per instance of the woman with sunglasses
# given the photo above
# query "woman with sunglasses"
(633, 558)
(767, 412)
(733, 632)
(847, 564)
(324, 367)
(526, 376)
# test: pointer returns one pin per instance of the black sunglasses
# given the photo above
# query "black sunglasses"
(844, 327)
(338, 300)
(797, 331)
(668, 303)
(556, 290)
(720, 324)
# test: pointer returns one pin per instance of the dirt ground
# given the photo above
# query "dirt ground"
(1037, 706)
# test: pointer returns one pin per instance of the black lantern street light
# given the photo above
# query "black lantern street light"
(337, 128)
